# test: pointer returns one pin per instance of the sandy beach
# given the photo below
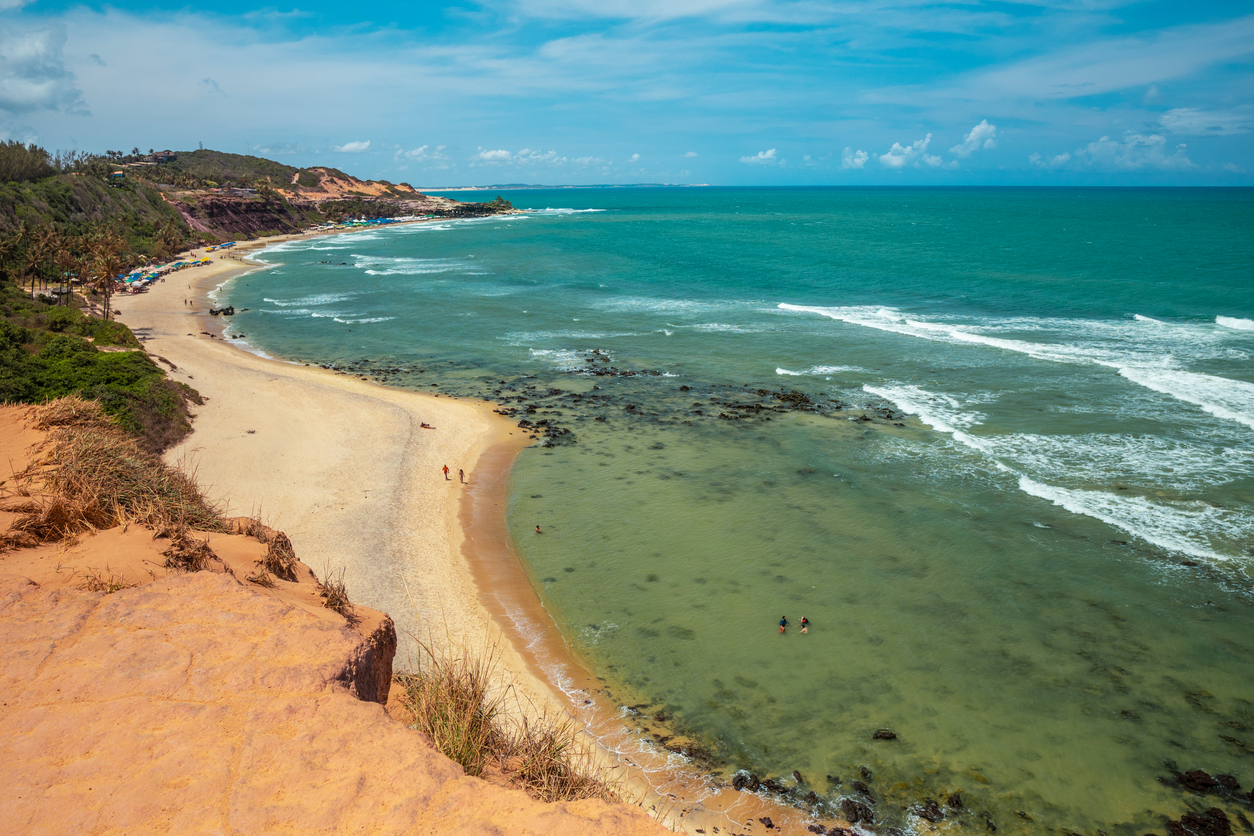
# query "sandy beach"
(341, 465)
(344, 467)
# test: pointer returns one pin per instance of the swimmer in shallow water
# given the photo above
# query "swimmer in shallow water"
(783, 623)
(805, 625)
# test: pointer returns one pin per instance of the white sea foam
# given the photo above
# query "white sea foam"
(1140, 318)
(726, 328)
(1146, 366)
(1220, 396)
(563, 211)
(819, 370)
(1235, 323)
(378, 265)
(317, 299)
(648, 303)
(1191, 528)
(521, 338)
(564, 359)
(364, 320)
(1177, 526)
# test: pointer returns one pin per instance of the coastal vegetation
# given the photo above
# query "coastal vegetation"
(455, 700)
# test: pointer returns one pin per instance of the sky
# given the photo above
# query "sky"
(729, 92)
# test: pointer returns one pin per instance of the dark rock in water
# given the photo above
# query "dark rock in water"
(684, 388)
(746, 781)
(1228, 782)
(865, 773)
(796, 776)
(817, 828)
(833, 780)
(988, 823)
(766, 820)
(1023, 815)
(931, 811)
(1214, 822)
(856, 811)
(955, 801)
(885, 734)
(864, 790)
(1198, 781)
(812, 798)
(774, 786)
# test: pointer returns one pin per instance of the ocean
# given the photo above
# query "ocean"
(997, 445)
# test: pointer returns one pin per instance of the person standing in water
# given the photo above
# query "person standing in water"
(805, 625)
(783, 623)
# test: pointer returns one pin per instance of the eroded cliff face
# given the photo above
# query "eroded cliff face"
(195, 704)
(137, 699)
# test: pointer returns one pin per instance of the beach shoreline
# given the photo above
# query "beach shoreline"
(449, 576)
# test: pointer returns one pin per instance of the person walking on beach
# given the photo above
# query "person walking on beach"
(783, 623)
(805, 625)
(461, 475)
(446, 473)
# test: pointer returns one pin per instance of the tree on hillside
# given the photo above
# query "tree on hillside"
(68, 264)
(23, 163)
(109, 259)
(168, 240)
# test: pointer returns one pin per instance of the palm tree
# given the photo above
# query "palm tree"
(68, 264)
(108, 260)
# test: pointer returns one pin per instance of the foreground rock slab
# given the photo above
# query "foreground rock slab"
(194, 704)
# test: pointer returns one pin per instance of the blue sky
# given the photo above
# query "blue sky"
(1050, 92)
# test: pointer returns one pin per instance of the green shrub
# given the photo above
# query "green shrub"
(39, 366)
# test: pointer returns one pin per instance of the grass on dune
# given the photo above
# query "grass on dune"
(453, 700)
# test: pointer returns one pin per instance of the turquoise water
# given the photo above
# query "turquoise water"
(1031, 562)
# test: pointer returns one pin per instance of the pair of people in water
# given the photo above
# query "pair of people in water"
(805, 624)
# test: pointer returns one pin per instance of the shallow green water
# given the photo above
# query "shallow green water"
(1039, 581)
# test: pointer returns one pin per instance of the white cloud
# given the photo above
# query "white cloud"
(690, 153)
(981, 136)
(762, 158)
(633, 158)
(498, 156)
(33, 74)
(1187, 120)
(1234, 168)
(910, 155)
(422, 153)
(355, 147)
(853, 159)
(1133, 153)
(1056, 161)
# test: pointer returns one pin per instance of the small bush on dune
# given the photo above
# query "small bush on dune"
(451, 699)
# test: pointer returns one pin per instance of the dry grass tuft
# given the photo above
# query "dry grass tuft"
(186, 553)
(94, 581)
(334, 596)
(551, 765)
(452, 701)
(280, 559)
(261, 578)
(90, 475)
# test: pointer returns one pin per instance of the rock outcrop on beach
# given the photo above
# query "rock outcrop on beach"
(138, 698)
